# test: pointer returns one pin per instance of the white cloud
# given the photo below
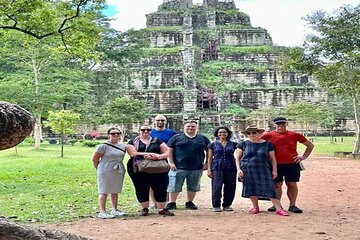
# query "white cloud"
(282, 18)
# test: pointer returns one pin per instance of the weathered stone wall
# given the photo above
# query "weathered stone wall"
(160, 101)
(259, 58)
(158, 61)
(163, 19)
(256, 98)
(156, 79)
(244, 37)
(176, 4)
(270, 78)
(165, 38)
(237, 19)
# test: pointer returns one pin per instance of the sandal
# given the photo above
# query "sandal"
(254, 210)
(282, 212)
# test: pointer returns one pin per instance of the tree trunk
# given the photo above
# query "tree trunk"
(38, 110)
(37, 131)
(357, 124)
(13, 231)
(62, 144)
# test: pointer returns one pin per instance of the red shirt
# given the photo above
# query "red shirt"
(285, 144)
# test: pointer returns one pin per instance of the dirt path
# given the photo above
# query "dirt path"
(329, 195)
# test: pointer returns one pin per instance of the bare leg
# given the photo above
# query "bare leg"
(190, 196)
(276, 203)
(160, 205)
(102, 202)
(173, 196)
(152, 198)
(114, 200)
(145, 204)
(278, 188)
(292, 192)
(254, 201)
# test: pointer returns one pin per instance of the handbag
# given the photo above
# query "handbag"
(153, 166)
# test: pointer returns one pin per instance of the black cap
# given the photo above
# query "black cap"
(280, 120)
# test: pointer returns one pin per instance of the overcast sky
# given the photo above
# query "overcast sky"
(282, 18)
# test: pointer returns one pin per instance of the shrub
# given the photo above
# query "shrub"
(91, 143)
(53, 141)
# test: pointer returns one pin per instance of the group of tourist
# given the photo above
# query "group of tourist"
(261, 161)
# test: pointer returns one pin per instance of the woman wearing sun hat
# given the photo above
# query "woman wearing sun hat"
(256, 164)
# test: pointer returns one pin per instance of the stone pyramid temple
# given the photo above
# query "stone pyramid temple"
(202, 59)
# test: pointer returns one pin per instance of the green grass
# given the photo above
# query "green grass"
(39, 186)
(322, 145)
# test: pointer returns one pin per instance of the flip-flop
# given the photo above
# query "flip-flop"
(254, 210)
(282, 212)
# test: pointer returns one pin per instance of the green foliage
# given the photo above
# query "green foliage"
(63, 121)
(264, 114)
(126, 111)
(91, 143)
(237, 50)
(148, 52)
(74, 23)
(295, 59)
(235, 110)
(212, 75)
(310, 115)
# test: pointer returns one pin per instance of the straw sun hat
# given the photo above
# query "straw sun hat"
(252, 128)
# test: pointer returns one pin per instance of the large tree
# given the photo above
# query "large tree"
(332, 54)
(41, 41)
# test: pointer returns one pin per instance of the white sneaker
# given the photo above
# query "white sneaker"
(105, 215)
(117, 213)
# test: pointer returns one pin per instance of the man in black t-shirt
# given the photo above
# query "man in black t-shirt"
(187, 152)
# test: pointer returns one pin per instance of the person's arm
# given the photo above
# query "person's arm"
(171, 159)
(309, 147)
(96, 159)
(273, 163)
(209, 162)
(155, 156)
(205, 166)
(238, 155)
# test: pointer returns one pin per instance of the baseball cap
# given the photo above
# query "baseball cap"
(280, 120)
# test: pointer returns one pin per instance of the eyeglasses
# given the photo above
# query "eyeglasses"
(145, 130)
(160, 120)
(249, 133)
(115, 133)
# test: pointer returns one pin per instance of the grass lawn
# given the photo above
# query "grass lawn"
(39, 186)
(322, 145)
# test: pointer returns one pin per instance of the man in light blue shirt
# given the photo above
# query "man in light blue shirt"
(160, 130)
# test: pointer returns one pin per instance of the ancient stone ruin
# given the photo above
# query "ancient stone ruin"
(202, 58)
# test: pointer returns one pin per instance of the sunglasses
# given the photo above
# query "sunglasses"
(145, 130)
(249, 133)
(160, 120)
(115, 133)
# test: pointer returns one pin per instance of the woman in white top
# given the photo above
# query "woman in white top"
(108, 160)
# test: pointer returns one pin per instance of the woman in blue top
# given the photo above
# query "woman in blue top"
(222, 169)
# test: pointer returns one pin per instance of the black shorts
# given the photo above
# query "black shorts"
(288, 172)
